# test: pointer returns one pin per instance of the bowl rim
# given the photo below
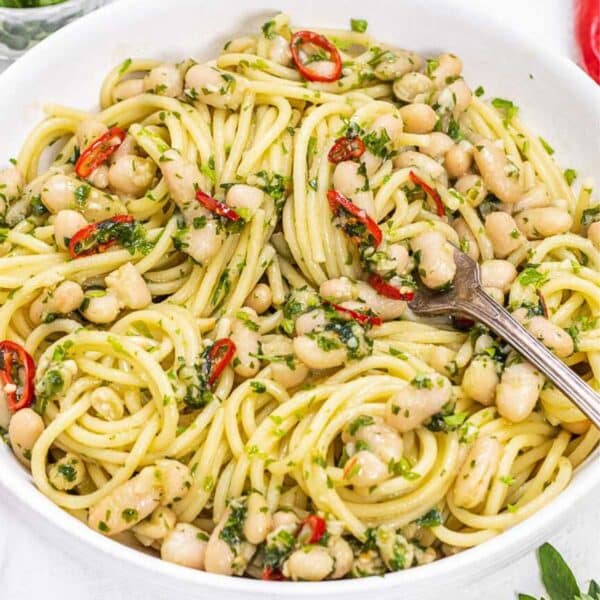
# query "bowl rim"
(519, 539)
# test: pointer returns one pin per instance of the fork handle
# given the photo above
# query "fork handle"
(486, 310)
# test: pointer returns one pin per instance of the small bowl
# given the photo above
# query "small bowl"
(22, 28)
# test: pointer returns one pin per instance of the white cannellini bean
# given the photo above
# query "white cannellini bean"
(440, 358)
(480, 380)
(472, 188)
(538, 223)
(11, 183)
(342, 555)
(448, 65)
(518, 391)
(107, 403)
(24, 429)
(137, 498)
(382, 439)
(129, 287)
(99, 177)
(66, 224)
(365, 469)
(458, 160)
(129, 88)
(311, 563)
(67, 473)
(492, 164)
(67, 297)
(259, 521)
(58, 193)
(439, 144)
(425, 163)
(337, 290)
(391, 123)
(281, 372)
(495, 293)
(456, 97)
(350, 183)
(436, 259)
(503, 233)
(413, 87)
(185, 545)
(245, 336)
(395, 64)
(203, 244)
(314, 357)
(473, 479)
(468, 242)
(310, 321)
(214, 87)
(593, 234)
(182, 179)
(131, 175)
(500, 274)
(164, 80)
(89, 131)
(551, 335)
(246, 197)
(279, 51)
(102, 309)
(158, 525)
(129, 147)
(260, 298)
(418, 118)
(285, 519)
(536, 197)
(414, 404)
(220, 558)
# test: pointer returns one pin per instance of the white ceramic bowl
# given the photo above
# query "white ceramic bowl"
(556, 99)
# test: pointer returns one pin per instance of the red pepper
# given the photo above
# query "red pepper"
(337, 200)
(462, 323)
(17, 369)
(310, 37)
(218, 208)
(271, 574)
(99, 151)
(317, 527)
(359, 317)
(346, 148)
(96, 238)
(587, 34)
(439, 205)
(217, 363)
(381, 286)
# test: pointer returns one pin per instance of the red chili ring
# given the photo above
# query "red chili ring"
(310, 37)
(337, 200)
(99, 151)
(346, 148)
(14, 400)
(381, 286)
(433, 194)
(215, 206)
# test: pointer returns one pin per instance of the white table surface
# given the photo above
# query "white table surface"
(32, 567)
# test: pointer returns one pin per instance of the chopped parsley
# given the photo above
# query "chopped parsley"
(358, 25)
(508, 107)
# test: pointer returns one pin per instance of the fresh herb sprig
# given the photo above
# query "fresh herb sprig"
(558, 579)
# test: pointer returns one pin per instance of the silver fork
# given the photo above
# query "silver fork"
(467, 298)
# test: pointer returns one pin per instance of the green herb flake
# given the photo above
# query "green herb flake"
(358, 25)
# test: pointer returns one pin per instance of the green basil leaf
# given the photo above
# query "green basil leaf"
(558, 578)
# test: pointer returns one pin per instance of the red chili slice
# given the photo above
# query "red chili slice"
(337, 200)
(359, 317)
(215, 206)
(587, 34)
(271, 574)
(346, 148)
(17, 370)
(439, 205)
(381, 286)
(96, 238)
(219, 356)
(317, 527)
(310, 37)
(99, 151)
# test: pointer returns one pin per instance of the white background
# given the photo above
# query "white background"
(32, 567)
